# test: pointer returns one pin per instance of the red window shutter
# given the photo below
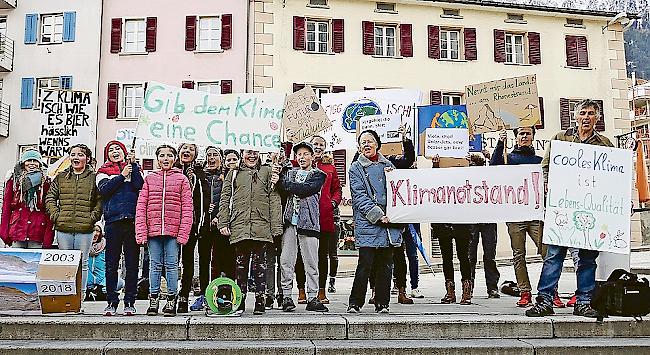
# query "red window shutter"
(583, 54)
(600, 124)
(298, 87)
(338, 88)
(534, 49)
(226, 86)
(436, 97)
(111, 105)
(190, 33)
(226, 31)
(338, 43)
(434, 42)
(299, 43)
(499, 46)
(368, 37)
(152, 24)
(565, 115)
(406, 40)
(540, 125)
(187, 84)
(471, 53)
(571, 46)
(116, 35)
(340, 162)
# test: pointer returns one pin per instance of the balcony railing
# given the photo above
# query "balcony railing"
(5, 114)
(6, 53)
(7, 4)
(628, 141)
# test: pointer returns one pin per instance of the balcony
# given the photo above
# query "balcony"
(5, 114)
(6, 53)
(7, 4)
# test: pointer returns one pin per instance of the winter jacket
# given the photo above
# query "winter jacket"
(368, 189)
(518, 156)
(330, 195)
(119, 196)
(308, 200)
(73, 202)
(164, 207)
(215, 184)
(19, 223)
(200, 199)
(256, 212)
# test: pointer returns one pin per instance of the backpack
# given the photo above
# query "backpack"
(624, 295)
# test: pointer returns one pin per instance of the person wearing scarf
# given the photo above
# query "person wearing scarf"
(25, 222)
(119, 181)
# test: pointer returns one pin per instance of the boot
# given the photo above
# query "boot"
(182, 304)
(402, 297)
(302, 296)
(170, 307)
(450, 297)
(332, 288)
(321, 296)
(259, 305)
(154, 304)
(467, 292)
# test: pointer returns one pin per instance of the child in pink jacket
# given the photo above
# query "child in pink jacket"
(163, 219)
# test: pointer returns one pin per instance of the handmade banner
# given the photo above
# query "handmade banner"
(439, 116)
(65, 121)
(589, 196)
(446, 142)
(173, 115)
(503, 104)
(303, 116)
(487, 194)
(125, 136)
(346, 108)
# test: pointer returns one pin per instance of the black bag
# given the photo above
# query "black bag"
(624, 295)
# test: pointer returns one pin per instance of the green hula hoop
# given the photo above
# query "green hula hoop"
(211, 295)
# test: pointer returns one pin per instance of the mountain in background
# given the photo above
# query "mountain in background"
(637, 37)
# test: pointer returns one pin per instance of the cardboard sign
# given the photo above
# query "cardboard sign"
(446, 142)
(489, 194)
(303, 116)
(173, 115)
(65, 121)
(387, 126)
(503, 104)
(346, 108)
(589, 197)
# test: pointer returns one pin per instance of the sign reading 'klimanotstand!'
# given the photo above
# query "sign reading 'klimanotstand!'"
(238, 121)
(487, 194)
(589, 197)
(303, 116)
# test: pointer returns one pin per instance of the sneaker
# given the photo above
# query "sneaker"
(353, 308)
(572, 301)
(268, 304)
(129, 310)
(182, 304)
(288, 305)
(540, 310)
(585, 310)
(525, 300)
(259, 305)
(170, 307)
(199, 304)
(382, 308)
(154, 303)
(110, 310)
(494, 294)
(557, 302)
(415, 293)
(316, 306)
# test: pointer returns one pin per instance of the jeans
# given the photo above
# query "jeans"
(163, 250)
(120, 237)
(77, 241)
(446, 234)
(412, 256)
(518, 231)
(187, 256)
(487, 232)
(251, 252)
(27, 244)
(399, 269)
(552, 269)
(381, 260)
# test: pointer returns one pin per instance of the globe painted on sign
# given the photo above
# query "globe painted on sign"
(452, 119)
(356, 110)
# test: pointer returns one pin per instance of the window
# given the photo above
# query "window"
(514, 48)
(211, 87)
(210, 33)
(385, 41)
(322, 3)
(574, 22)
(132, 97)
(451, 13)
(385, 7)
(516, 18)
(52, 28)
(134, 36)
(43, 84)
(317, 36)
(572, 111)
(449, 44)
(320, 90)
(452, 99)
(3, 25)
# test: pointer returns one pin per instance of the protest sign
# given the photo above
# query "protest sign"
(173, 115)
(125, 136)
(303, 116)
(446, 142)
(589, 195)
(439, 116)
(486, 194)
(503, 104)
(387, 127)
(476, 143)
(346, 108)
(65, 121)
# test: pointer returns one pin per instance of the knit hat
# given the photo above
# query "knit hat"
(374, 134)
(31, 155)
(120, 144)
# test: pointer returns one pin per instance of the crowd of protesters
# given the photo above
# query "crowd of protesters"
(269, 224)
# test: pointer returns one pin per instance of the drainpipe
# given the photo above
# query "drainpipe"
(250, 49)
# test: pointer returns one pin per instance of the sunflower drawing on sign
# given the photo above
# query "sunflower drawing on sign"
(354, 111)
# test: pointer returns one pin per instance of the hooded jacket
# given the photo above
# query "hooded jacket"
(307, 193)
(73, 201)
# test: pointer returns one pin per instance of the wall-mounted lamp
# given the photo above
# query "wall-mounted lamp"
(621, 18)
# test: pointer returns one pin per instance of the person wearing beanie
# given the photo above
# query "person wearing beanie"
(119, 181)
(25, 222)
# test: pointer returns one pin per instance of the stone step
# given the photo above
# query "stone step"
(611, 346)
(364, 326)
